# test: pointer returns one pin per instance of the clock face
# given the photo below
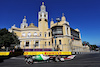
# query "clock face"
(43, 8)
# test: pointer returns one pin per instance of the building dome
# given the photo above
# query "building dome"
(77, 30)
(32, 26)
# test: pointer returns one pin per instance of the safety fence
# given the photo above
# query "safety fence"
(51, 47)
(59, 47)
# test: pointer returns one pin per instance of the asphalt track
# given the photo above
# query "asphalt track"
(82, 60)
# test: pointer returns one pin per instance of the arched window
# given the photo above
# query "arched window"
(45, 43)
(29, 34)
(49, 34)
(24, 26)
(44, 15)
(27, 43)
(39, 19)
(49, 43)
(40, 33)
(23, 34)
(45, 35)
(40, 15)
(67, 30)
(35, 34)
(46, 20)
(36, 43)
(60, 42)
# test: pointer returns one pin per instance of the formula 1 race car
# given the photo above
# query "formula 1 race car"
(44, 58)
(36, 58)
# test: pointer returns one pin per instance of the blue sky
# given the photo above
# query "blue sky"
(82, 14)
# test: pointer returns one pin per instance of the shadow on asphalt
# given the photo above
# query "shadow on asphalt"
(12, 54)
(1, 60)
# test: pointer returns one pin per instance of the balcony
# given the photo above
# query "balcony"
(31, 36)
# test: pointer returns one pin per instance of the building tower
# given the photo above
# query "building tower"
(43, 14)
(43, 18)
(24, 24)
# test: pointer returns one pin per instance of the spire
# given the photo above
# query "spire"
(24, 23)
(42, 3)
(63, 17)
(24, 20)
(14, 26)
(42, 7)
(51, 19)
(62, 14)
(24, 17)
(52, 22)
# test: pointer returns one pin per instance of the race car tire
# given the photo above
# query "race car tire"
(29, 61)
(57, 59)
(62, 59)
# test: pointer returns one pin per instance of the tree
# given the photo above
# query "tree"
(85, 43)
(7, 38)
(92, 47)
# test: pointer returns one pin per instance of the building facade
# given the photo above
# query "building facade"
(60, 34)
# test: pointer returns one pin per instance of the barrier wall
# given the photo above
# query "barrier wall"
(48, 53)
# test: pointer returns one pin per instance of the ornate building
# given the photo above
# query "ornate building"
(41, 37)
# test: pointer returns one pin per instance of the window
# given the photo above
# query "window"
(35, 34)
(49, 34)
(40, 34)
(39, 19)
(52, 41)
(23, 34)
(29, 34)
(57, 31)
(60, 42)
(74, 33)
(45, 34)
(46, 20)
(45, 43)
(67, 30)
(24, 26)
(27, 43)
(49, 43)
(36, 44)
(40, 15)
(44, 15)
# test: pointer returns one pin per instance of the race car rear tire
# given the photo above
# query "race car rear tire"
(57, 59)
